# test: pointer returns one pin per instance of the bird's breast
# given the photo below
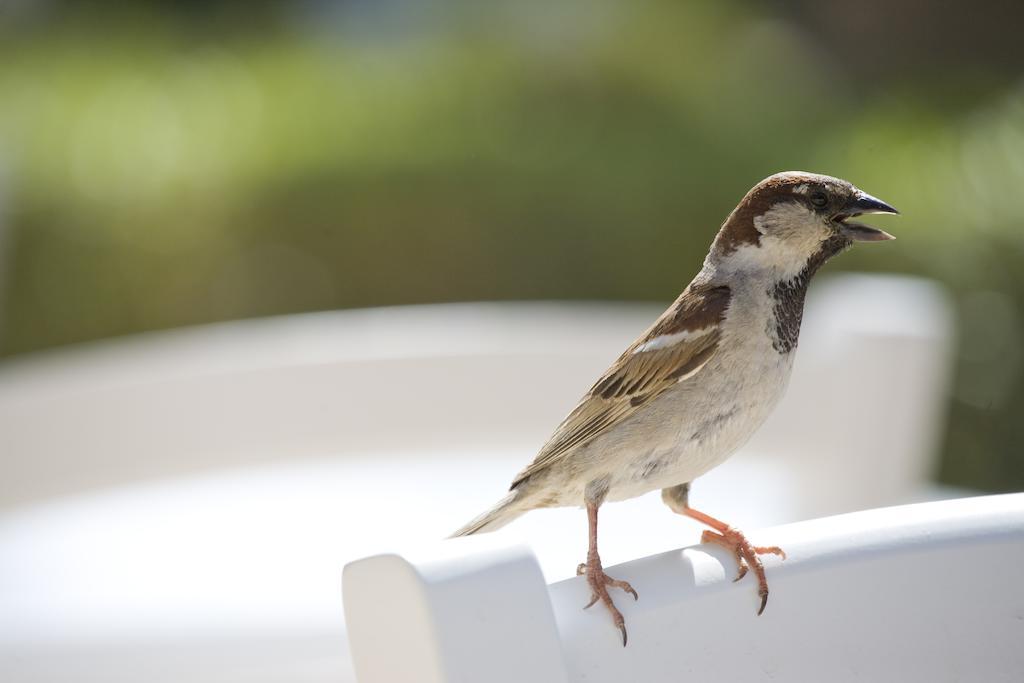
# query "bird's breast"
(699, 423)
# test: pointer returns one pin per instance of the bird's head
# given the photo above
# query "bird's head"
(793, 220)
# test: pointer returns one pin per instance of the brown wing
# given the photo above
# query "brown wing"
(676, 347)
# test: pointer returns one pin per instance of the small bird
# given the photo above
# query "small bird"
(699, 382)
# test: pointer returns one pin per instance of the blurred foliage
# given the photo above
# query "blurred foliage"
(167, 165)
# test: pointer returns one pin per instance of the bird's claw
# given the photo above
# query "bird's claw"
(581, 570)
(599, 583)
(746, 556)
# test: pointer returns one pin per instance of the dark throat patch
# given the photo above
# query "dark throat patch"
(788, 295)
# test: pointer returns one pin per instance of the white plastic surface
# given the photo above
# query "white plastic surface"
(444, 615)
(923, 593)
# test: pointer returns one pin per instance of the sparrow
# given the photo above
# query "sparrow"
(700, 381)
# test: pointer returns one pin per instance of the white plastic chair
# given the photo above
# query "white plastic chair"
(920, 593)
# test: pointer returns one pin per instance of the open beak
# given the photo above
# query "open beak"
(860, 204)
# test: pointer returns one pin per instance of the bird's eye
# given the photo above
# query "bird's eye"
(819, 199)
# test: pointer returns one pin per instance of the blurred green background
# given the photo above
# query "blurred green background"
(175, 163)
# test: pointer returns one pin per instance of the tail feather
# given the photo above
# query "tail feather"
(507, 509)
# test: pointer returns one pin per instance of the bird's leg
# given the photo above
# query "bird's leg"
(598, 580)
(733, 540)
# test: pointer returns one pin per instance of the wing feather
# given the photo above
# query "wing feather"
(675, 348)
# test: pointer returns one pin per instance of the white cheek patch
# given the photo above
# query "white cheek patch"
(790, 234)
(666, 340)
(790, 219)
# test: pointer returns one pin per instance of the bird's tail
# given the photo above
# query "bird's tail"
(506, 509)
